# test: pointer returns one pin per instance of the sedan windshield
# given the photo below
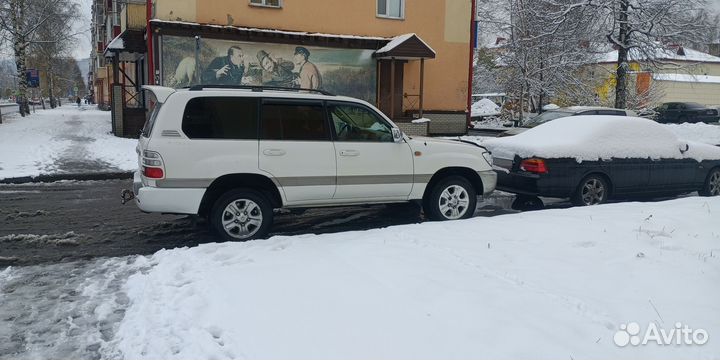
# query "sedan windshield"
(545, 117)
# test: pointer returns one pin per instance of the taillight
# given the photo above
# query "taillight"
(536, 166)
(152, 165)
(153, 172)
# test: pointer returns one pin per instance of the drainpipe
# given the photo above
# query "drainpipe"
(150, 54)
(470, 62)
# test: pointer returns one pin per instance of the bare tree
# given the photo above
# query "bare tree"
(547, 42)
(55, 42)
(21, 21)
(641, 29)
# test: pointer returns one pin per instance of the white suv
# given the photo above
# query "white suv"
(234, 155)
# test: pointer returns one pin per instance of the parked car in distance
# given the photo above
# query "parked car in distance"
(565, 112)
(234, 154)
(591, 159)
(682, 112)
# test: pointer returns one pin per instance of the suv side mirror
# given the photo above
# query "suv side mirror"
(397, 134)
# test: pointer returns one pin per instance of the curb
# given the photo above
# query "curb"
(76, 177)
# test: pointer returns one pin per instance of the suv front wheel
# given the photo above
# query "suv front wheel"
(241, 214)
(451, 198)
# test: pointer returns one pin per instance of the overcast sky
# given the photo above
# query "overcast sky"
(83, 49)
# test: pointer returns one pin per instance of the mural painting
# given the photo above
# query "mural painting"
(188, 61)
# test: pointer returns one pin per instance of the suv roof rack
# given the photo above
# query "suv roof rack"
(256, 88)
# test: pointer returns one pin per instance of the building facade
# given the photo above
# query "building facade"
(680, 74)
(411, 59)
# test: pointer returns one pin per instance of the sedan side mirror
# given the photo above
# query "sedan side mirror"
(684, 147)
(397, 135)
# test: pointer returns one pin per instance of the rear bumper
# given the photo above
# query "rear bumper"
(172, 201)
(534, 184)
(489, 180)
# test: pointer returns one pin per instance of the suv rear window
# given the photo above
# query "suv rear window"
(221, 118)
(294, 121)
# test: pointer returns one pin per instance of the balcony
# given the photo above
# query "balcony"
(133, 15)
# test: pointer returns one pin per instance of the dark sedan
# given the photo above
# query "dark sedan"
(682, 112)
(601, 158)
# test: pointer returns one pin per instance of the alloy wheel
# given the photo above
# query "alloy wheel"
(242, 218)
(454, 202)
(593, 192)
(714, 184)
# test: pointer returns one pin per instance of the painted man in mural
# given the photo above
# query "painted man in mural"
(276, 72)
(226, 70)
(310, 77)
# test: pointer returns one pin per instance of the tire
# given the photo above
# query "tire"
(592, 190)
(451, 198)
(527, 203)
(251, 217)
(711, 187)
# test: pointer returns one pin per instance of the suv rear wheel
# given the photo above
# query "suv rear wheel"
(241, 214)
(451, 198)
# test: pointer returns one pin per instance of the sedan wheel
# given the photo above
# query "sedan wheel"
(241, 215)
(593, 190)
(712, 184)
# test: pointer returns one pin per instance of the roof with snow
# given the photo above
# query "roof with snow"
(687, 78)
(675, 53)
(406, 46)
(370, 42)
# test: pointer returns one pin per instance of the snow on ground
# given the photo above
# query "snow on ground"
(541, 285)
(484, 107)
(63, 140)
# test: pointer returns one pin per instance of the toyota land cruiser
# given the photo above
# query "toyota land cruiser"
(235, 154)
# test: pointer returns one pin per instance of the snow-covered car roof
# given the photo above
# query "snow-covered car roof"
(594, 137)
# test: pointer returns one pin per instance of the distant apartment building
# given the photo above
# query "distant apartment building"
(409, 58)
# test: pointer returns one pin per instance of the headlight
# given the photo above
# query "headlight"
(488, 158)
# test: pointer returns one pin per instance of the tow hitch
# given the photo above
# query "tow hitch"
(126, 195)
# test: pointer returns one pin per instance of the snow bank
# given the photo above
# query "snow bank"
(483, 288)
(594, 137)
(34, 145)
(550, 107)
(484, 107)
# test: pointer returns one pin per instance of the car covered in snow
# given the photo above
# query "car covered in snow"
(565, 112)
(235, 154)
(591, 159)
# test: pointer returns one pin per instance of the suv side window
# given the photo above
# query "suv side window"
(294, 120)
(220, 118)
(358, 123)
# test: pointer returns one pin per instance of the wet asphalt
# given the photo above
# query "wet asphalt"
(81, 220)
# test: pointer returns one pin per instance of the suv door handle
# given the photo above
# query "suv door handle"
(349, 153)
(274, 152)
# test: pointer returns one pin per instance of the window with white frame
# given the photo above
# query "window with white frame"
(268, 3)
(391, 8)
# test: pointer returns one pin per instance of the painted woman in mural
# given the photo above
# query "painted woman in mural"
(226, 70)
(309, 75)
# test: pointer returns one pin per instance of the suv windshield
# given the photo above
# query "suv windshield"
(545, 117)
